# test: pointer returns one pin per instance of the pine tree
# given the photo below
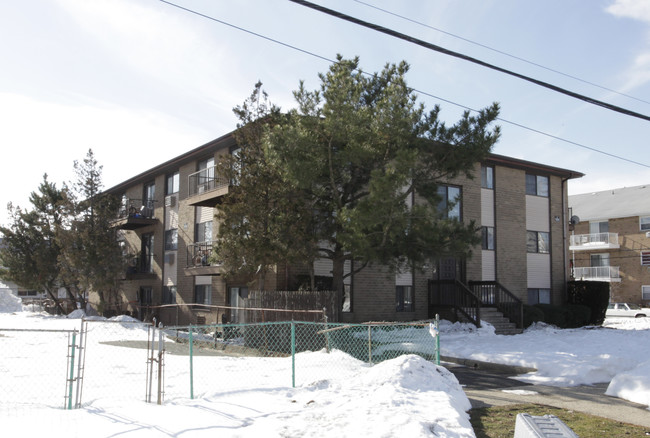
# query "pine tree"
(360, 149)
(30, 251)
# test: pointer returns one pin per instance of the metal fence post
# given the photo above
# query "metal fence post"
(437, 339)
(293, 354)
(74, 340)
(191, 341)
(369, 344)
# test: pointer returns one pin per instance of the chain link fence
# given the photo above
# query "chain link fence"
(200, 359)
(127, 359)
(34, 367)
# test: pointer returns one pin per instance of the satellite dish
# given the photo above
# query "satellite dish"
(574, 220)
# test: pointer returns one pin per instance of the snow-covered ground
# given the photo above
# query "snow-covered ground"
(407, 396)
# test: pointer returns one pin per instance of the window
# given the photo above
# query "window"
(599, 260)
(145, 295)
(487, 238)
(539, 296)
(404, 295)
(645, 258)
(169, 295)
(598, 227)
(146, 253)
(644, 223)
(203, 294)
(645, 293)
(450, 204)
(536, 185)
(537, 242)
(173, 184)
(171, 240)
(203, 232)
(487, 177)
(148, 195)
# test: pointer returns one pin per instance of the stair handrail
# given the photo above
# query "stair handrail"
(461, 299)
(493, 293)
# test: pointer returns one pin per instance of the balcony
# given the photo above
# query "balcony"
(140, 268)
(598, 273)
(585, 242)
(134, 214)
(206, 187)
(199, 260)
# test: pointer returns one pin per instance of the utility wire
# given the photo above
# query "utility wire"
(440, 49)
(500, 51)
(424, 93)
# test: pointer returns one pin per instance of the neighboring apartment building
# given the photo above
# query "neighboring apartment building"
(167, 227)
(611, 241)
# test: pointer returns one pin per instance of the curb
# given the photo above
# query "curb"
(480, 365)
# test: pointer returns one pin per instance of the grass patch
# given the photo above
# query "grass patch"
(499, 422)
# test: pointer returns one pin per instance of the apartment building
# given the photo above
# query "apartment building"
(167, 227)
(611, 241)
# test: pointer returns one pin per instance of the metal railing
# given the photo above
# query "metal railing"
(455, 295)
(200, 253)
(492, 293)
(597, 273)
(136, 208)
(594, 239)
(206, 180)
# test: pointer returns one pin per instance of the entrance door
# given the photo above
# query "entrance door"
(145, 299)
(442, 287)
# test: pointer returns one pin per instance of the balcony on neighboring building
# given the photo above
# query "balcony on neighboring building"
(597, 273)
(200, 260)
(585, 242)
(206, 187)
(134, 214)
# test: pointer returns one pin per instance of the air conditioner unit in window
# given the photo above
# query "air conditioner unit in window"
(170, 201)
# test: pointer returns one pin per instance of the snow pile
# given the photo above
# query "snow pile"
(566, 357)
(9, 302)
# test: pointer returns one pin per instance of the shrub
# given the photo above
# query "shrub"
(593, 294)
(568, 316)
(532, 314)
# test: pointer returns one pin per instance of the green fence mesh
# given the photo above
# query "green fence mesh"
(199, 357)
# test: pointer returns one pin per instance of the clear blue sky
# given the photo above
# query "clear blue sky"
(131, 77)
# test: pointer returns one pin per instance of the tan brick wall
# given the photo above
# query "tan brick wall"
(510, 218)
(558, 198)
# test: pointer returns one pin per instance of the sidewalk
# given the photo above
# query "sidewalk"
(491, 385)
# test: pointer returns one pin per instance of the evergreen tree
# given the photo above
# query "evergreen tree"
(360, 149)
(91, 257)
(262, 217)
(30, 251)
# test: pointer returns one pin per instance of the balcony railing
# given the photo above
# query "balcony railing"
(580, 242)
(597, 273)
(139, 265)
(135, 213)
(206, 185)
(200, 260)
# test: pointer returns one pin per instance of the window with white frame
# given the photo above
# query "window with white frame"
(645, 293)
(171, 240)
(645, 258)
(598, 227)
(404, 298)
(644, 223)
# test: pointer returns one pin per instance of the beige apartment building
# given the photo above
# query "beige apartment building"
(167, 227)
(611, 241)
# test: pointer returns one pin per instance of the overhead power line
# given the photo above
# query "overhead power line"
(440, 49)
(424, 93)
(518, 58)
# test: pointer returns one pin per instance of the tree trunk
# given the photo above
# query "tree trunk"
(338, 264)
(56, 301)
